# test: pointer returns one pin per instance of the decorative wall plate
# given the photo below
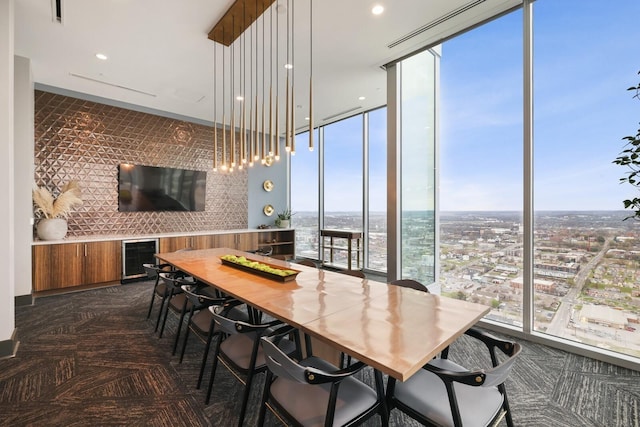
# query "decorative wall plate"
(267, 185)
(268, 210)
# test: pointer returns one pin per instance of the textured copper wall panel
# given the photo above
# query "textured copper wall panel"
(86, 141)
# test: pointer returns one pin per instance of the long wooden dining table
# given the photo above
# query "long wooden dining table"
(394, 329)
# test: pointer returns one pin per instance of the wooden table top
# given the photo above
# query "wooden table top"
(346, 234)
(394, 329)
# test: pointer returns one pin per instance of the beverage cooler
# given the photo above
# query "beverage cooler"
(134, 254)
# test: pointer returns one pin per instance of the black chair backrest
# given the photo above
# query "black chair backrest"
(354, 273)
(307, 262)
(410, 283)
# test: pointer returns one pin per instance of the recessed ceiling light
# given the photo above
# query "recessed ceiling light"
(288, 66)
(239, 98)
(306, 118)
(101, 56)
(377, 9)
(362, 98)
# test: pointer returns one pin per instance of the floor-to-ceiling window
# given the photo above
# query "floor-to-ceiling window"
(329, 185)
(583, 283)
(343, 146)
(481, 167)
(343, 178)
(377, 195)
(586, 262)
(418, 160)
(304, 196)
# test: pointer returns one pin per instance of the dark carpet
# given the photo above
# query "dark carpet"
(92, 359)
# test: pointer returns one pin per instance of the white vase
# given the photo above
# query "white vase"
(284, 223)
(52, 228)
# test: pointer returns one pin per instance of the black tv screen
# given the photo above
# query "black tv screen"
(151, 188)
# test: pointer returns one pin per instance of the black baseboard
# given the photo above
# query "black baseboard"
(8, 348)
(22, 300)
(133, 279)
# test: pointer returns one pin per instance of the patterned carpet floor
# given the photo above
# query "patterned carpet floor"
(92, 358)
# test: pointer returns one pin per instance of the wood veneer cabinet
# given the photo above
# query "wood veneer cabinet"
(247, 241)
(172, 244)
(281, 240)
(207, 241)
(241, 241)
(67, 265)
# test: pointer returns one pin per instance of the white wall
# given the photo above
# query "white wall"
(7, 266)
(23, 173)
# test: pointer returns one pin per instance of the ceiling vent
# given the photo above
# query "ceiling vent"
(56, 11)
(111, 84)
(341, 113)
(436, 22)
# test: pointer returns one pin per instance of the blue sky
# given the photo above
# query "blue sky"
(585, 57)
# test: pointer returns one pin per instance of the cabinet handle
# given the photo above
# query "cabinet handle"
(85, 249)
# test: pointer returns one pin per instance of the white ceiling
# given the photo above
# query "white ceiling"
(159, 56)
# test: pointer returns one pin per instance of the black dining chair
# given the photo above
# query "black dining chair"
(307, 262)
(444, 393)
(177, 302)
(238, 349)
(355, 273)
(159, 288)
(152, 271)
(200, 319)
(410, 283)
(313, 392)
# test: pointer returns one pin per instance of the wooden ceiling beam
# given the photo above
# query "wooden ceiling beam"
(237, 19)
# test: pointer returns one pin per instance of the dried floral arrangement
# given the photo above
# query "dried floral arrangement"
(60, 207)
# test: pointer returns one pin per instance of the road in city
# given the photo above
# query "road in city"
(560, 322)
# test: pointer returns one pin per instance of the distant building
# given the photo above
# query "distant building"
(546, 286)
(569, 267)
(506, 268)
(602, 315)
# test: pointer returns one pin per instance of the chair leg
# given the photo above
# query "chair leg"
(175, 340)
(245, 397)
(505, 406)
(186, 336)
(213, 372)
(153, 296)
(265, 396)
(160, 310)
(384, 413)
(166, 314)
(205, 356)
(391, 387)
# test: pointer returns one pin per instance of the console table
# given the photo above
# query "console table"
(351, 244)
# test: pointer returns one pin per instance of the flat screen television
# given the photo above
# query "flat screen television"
(151, 188)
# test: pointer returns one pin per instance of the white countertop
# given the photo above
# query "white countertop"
(104, 238)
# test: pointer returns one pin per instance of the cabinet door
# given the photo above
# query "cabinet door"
(102, 262)
(247, 241)
(57, 266)
(224, 240)
(172, 244)
(203, 242)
